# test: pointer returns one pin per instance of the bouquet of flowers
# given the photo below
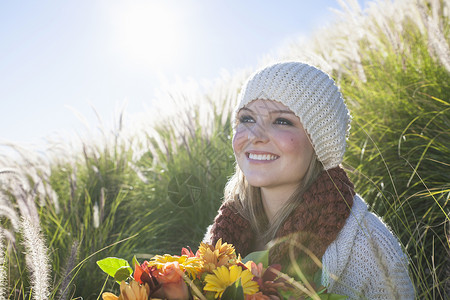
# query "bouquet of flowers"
(214, 272)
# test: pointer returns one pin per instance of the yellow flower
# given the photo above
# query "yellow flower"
(109, 296)
(132, 291)
(191, 265)
(224, 277)
(214, 257)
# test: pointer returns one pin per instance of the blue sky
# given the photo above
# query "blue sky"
(58, 57)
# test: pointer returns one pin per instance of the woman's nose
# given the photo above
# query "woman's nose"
(258, 133)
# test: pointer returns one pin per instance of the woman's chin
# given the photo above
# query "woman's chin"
(259, 182)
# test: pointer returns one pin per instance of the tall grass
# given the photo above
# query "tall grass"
(186, 168)
(392, 64)
(156, 189)
(160, 186)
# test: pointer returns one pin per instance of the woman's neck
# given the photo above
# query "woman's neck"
(274, 199)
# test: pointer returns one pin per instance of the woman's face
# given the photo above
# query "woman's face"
(271, 147)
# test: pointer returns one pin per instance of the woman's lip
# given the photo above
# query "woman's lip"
(259, 152)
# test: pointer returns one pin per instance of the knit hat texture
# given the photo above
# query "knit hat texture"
(313, 97)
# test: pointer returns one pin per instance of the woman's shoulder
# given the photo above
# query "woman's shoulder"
(374, 231)
(363, 222)
(367, 254)
(364, 228)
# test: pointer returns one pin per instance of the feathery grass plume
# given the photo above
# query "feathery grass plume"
(437, 41)
(24, 196)
(6, 209)
(11, 214)
(34, 170)
(95, 216)
(36, 256)
(26, 179)
(67, 277)
(13, 194)
(3, 268)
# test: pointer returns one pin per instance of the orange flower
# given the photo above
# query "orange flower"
(171, 278)
(257, 269)
(146, 274)
(216, 256)
(109, 296)
(132, 291)
(188, 252)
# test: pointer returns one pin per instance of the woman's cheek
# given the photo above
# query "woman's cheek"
(288, 141)
(239, 140)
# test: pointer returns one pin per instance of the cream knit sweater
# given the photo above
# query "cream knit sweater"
(366, 260)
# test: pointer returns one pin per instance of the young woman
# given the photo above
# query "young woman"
(290, 196)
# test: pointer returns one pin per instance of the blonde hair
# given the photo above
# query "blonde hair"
(247, 200)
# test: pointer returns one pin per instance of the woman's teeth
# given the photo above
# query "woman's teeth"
(262, 156)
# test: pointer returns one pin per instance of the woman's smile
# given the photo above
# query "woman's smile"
(261, 156)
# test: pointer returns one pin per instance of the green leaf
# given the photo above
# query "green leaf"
(285, 294)
(123, 273)
(318, 279)
(258, 257)
(111, 265)
(234, 291)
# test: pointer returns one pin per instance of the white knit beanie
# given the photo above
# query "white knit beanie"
(313, 97)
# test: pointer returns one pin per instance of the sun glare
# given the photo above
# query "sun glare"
(147, 32)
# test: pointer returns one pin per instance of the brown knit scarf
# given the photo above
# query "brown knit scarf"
(313, 225)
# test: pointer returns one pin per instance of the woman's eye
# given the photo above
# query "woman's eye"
(246, 119)
(282, 121)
